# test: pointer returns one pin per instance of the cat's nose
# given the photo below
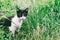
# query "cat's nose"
(23, 17)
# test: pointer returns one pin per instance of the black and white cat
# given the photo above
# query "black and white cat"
(18, 19)
(15, 22)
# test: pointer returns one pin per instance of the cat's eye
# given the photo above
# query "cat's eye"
(25, 14)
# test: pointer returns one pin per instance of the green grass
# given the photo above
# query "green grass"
(42, 23)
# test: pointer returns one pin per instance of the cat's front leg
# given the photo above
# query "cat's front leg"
(12, 29)
(20, 25)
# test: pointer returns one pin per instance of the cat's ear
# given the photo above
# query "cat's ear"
(17, 9)
(26, 9)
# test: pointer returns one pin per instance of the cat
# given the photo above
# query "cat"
(14, 22)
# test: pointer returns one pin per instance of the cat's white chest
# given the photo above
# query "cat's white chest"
(16, 22)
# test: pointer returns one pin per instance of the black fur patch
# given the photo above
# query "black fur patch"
(6, 21)
(21, 12)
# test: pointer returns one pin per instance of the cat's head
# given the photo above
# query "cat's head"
(22, 13)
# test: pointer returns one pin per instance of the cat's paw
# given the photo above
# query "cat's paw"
(12, 29)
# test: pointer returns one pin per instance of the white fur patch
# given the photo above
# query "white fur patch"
(12, 29)
(16, 23)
